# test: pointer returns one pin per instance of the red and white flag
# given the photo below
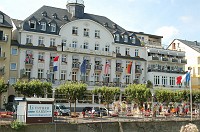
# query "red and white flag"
(106, 69)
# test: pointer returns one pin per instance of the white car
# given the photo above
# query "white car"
(109, 111)
(62, 110)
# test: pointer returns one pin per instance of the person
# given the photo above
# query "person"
(189, 128)
(83, 112)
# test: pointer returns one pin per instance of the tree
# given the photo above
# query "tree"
(3, 87)
(34, 87)
(138, 93)
(73, 90)
(107, 93)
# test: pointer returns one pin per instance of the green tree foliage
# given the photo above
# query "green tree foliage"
(73, 90)
(107, 93)
(34, 87)
(3, 86)
(138, 93)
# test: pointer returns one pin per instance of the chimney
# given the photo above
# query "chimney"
(76, 8)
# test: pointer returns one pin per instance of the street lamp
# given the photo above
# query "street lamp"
(152, 96)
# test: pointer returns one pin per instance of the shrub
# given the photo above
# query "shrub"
(16, 125)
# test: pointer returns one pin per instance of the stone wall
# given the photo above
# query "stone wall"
(155, 126)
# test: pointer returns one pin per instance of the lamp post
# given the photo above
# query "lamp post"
(152, 96)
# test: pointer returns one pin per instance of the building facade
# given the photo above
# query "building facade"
(192, 53)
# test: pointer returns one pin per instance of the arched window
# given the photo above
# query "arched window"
(1, 18)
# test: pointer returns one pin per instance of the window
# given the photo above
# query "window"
(127, 52)
(107, 78)
(64, 58)
(75, 30)
(117, 37)
(156, 80)
(117, 49)
(64, 42)
(33, 24)
(74, 44)
(40, 73)
(43, 26)
(171, 81)
(133, 39)
(52, 42)
(53, 27)
(86, 32)
(29, 39)
(41, 40)
(97, 34)
(12, 80)
(164, 80)
(41, 56)
(96, 77)
(127, 79)
(136, 52)
(117, 79)
(1, 18)
(13, 66)
(28, 73)
(74, 76)
(14, 51)
(1, 35)
(126, 38)
(85, 45)
(96, 47)
(107, 48)
(63, 75)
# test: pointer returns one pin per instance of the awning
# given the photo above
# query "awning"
(152, 51)
(75, 57)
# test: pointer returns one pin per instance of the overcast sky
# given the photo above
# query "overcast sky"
(168, 18)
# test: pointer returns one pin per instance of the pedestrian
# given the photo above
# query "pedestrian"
(83, 112)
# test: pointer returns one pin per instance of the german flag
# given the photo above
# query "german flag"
(128, 69)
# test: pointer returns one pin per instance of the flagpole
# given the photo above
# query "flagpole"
(190, 95)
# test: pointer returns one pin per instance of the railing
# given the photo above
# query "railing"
(28, 61)
(109, 84)
(98, 67)
(174, 60)
(165, 59)
(119, 69)
(165, 70)
(184, 61)
(75, 65)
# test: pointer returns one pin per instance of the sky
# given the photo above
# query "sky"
(172, 19)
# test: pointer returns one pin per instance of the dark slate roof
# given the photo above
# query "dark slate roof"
(7, 21)
(17, 23)
(192, 44)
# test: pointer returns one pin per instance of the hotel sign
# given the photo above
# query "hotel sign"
(39, 110)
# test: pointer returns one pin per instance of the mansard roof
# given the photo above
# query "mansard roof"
(7, 21)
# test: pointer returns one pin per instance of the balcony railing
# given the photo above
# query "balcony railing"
(119, 69)
(166, 70)
(2, 55)
(98, 67)
(174, 60)
(110, 84)
(75, 65)
(29, 61)
(184, 61)
(165, 59)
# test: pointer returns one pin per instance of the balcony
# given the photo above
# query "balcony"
(166, 70)
(88, 67)
(28, 61)
(183, 61)
(98, 67)
(175, 60)
(75, 65)
(51, 64)
(138, 71)
(154, 58)
(165, 59)
(119, 69)
(2, 56)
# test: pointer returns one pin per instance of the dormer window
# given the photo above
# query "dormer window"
(117, 37)
(126, 38)
(32, 24)
(53, 27)
(54, 15)
(65, 18)
(43, 26)
(1, 18)
(133, 39)
(44, 14)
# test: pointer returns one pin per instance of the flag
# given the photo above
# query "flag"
(128, 69)
(55, 63)
(107, 65)
(185, 77)
(83, 67)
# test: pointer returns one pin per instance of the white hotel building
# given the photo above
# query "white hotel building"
(74, 36)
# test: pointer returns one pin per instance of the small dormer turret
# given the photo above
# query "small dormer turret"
(76, 8)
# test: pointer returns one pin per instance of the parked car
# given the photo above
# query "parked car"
(107, 111)
(61, 110)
